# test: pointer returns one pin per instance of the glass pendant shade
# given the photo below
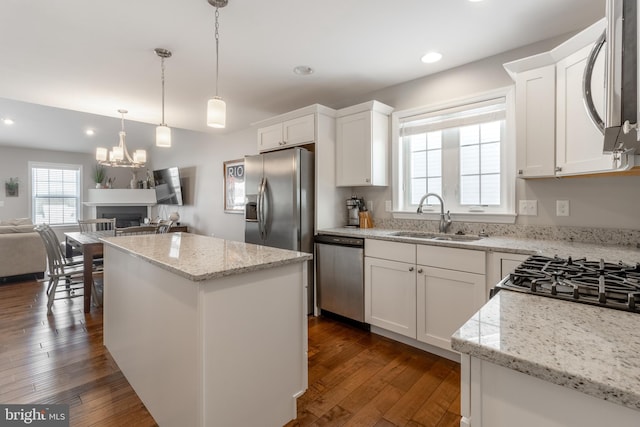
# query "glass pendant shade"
(118, 153)
(101, 154)
(140, 156)
(163, 136)
(216, 112)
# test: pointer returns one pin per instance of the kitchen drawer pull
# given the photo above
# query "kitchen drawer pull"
(410, 268)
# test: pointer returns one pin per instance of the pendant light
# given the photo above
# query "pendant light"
(119, 155)
(216, 107)
(163, 132)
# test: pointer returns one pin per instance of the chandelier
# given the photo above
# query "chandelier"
(216, 107)
(119, 156)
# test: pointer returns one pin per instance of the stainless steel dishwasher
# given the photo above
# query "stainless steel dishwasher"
(340, 275)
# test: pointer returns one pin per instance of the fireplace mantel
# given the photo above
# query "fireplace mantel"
(121, 197)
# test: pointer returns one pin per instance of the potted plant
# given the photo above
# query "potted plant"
(99, 174)
(11, 187)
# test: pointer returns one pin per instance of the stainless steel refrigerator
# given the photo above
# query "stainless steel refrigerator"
(279, 210)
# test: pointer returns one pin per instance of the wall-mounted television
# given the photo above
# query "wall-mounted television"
(167, 182)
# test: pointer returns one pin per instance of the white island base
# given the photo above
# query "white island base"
(226, 351)
(495, 396)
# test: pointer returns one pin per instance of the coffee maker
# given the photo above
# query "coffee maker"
(353, 209)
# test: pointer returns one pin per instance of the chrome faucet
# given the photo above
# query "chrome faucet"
(445, 219)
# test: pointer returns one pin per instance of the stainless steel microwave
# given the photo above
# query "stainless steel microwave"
(620, 41)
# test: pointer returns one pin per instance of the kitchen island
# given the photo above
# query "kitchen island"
(532, 361)
(208, 332)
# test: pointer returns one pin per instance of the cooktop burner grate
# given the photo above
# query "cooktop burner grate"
(591, 282)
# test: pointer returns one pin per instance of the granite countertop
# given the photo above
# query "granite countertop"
(199, 258)
(588, 348)
(611, 253)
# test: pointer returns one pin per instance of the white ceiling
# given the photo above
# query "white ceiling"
(97, 57)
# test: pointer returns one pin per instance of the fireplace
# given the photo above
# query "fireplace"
(126, 216)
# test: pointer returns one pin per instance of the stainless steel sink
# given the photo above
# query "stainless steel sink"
(437, 236)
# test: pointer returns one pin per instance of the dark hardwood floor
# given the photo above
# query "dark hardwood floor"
(355, 378)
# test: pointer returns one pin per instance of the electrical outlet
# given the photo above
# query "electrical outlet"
(387, 206)
(370, 206)
(1, 203)
(528, 207)
(562, 208)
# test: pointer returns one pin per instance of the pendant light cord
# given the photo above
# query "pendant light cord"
(217, 47)
(162, 67)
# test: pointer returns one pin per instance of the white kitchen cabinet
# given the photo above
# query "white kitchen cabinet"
(450, 289)
(390, 286)
(535, 122)
(578, 141)
(362, 138)
(390, 289)
(289, 133)
(422, 292)
(554, 134)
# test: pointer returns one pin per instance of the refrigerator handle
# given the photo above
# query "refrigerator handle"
(261, 222)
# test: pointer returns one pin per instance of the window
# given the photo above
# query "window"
(55, 193)
(460, 153)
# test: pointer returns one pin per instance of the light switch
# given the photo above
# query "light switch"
(562, 208)
(528, 207)
(1, 203)
(387, 206)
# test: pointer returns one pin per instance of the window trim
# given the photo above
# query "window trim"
(50, 165)
(508, 216)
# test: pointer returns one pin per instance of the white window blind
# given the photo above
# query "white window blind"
(55, 194)
(457, 153)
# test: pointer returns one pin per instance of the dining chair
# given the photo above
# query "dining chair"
(99, 224)
(139, 229)
(61, 271)
(163, 226)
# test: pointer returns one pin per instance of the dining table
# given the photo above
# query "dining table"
(90, 245)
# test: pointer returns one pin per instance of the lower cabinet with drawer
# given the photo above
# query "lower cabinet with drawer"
(420, 291)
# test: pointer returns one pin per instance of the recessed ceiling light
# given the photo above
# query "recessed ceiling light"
(303, 70)
(431, 57)
(90, 132)
(473, 1)
(8, 121)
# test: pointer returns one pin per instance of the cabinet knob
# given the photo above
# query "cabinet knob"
(420, 270)
(366, 180)
(410, 268)
(281, 143)
(520, 172)
(558, 169)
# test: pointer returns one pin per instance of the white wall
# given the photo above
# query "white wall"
(200, 158)
(607, 202)
(14, 163)
(599, 202)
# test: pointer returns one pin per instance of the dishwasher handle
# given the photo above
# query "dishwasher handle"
(326, 239)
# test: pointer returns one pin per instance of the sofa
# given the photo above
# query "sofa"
(22, 251)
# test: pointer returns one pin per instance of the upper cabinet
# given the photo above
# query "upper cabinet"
(289, 133)
(362, 143)
(554, 133)
(535, 122)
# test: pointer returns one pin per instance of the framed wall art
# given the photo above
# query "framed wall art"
(12, 187)
(234, 186)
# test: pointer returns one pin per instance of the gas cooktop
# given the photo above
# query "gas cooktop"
(591, 282)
